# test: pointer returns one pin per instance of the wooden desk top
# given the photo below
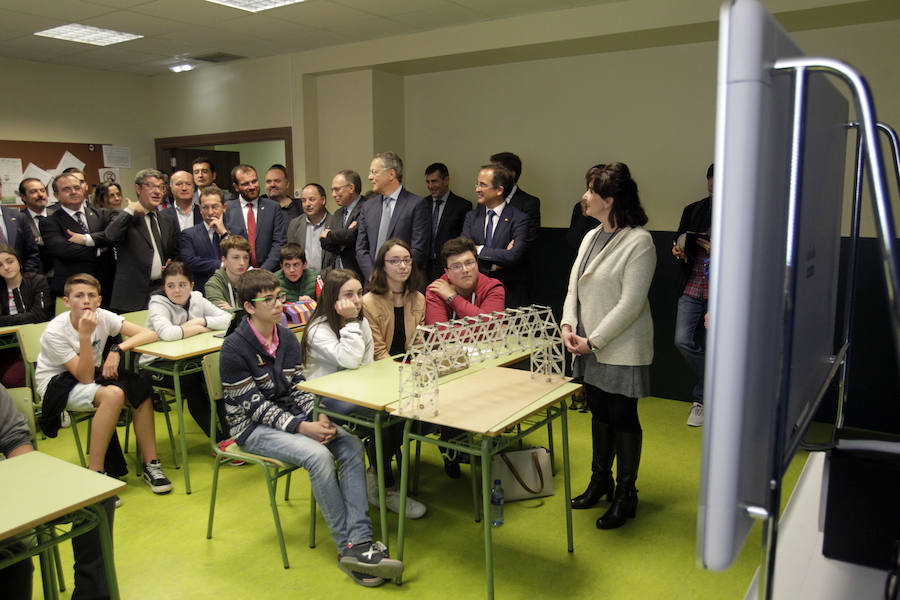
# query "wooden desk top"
(38, 488)
(9, 329)
(197, 345)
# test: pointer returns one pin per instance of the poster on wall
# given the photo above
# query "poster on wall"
(117, 156)
(10, 176)
(108, 174)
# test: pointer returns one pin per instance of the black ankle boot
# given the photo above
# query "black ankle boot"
(601, 485)
(628, 459)
(624, 506)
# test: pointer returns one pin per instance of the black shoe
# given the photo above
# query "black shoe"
(624, 506)
(601, 485)
(451, 468)
(370, 558)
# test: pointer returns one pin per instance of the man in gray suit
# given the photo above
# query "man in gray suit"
(307, 229)
(393, 212)
(339, 237)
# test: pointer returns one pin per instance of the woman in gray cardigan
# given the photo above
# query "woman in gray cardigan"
(606, 324)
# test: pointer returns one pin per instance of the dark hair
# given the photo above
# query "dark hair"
(242, 168)
(255, 281)
(54, 185)
(440, 167)
(80, 278)
(203, 160)
(353, 178)
(291, 251)
(7, 249)
(234, 242)
(177, 268)
(592, 172)
(510, 161)
(101, 193)
(318, 187)
(709, 171)
(379, 284)
(456, 246)
(26, 180)
(212, 190)
(501, 177)
(614, 181)
(278, 167)
(331, 290)
(73, 170)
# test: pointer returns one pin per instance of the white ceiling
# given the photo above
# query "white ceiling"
(174, 30)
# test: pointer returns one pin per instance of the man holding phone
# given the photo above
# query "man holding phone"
(691, 247)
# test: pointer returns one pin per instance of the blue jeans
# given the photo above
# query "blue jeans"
(687, 323)
(342, 500)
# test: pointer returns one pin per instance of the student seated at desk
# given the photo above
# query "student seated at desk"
(175, 313)
(24, 298)
(260, 366)
(221, 289)
(297, 281)
(16, 580)
(69, 375)
(337, 337)
(461, 291)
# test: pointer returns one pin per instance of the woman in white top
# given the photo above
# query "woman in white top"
(606, 324)
(338, 337)
(175, 313)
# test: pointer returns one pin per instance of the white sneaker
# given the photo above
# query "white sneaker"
(695, 419)
(414, 508)
(65, 420)
(372, 488)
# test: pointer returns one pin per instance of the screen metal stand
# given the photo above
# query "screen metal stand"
(869, 154)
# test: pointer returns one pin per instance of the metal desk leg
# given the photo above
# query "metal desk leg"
(567, 483)
(48, 572)
(379, 459)
(404, 481)
(109, 564)
(485, 455)
(179, 408)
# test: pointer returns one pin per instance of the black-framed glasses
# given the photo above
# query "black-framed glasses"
(270, 299)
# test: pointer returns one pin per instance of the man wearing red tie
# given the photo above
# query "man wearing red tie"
(257, 219)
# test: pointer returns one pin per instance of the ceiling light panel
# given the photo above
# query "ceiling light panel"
(254, 6)
(85, 34)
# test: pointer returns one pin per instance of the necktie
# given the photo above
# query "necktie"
(346, 213)
(81, 223)
(251, 234)
(215, 240)
(36, 229)
(435, 215)
(157, 237)
(3, 239)
(385, 224)
(489, 232)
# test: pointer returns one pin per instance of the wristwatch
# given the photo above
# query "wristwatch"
(450, 298)
(115, 348)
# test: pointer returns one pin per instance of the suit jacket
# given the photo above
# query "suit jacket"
(270, 230)
(131, 236)
(449, 227)
(19, 236)
(198, 218)
(70, 258)
(198, 252)
(513, 271)
(341, 241)
(531, 206)
(410, 222)
(46, 259)
(296, 229)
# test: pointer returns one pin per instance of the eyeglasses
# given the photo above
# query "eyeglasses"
(482, 186)
(270, 300)
(463, 265)
(398, 261)
(374, 172)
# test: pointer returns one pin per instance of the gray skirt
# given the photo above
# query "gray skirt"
(627, 380)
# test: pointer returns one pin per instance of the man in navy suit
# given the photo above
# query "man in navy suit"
(200, 243)
(15, 232)
(393, 213)
(34, 194)
(339, 237)
(257, 219)
(73, 215)
(500, 233)
(183, 210)
(448, 212)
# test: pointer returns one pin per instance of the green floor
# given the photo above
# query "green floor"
(162, 550)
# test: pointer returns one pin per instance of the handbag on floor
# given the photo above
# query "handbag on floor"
(523, 473)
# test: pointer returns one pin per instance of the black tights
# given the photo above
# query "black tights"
(616, 410)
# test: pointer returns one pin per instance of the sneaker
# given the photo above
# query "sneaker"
(118, 501)
(234, 462)
(362, 579)
(370, 558)
(414, 508)
(155, 477)
(65, 420)
(695, 419)
(372, 488)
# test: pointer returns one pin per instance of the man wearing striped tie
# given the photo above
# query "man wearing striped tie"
(200, 243)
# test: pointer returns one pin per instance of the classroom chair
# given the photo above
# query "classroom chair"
(272, 469)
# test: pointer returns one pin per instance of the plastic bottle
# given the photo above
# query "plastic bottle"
(496, 504)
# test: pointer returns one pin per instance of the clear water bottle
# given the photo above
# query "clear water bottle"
(496, 504)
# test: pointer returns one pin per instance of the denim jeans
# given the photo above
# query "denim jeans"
(342, 500)
(688, 324)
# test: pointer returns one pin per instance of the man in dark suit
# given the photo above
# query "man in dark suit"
(339, 237)
(500, 233)
(307, 229)
(257, 219)
(146, 240)
(183, 209)
(73, 215)
(204, 173)
(448, 212)
(15, 232)
(393, 213)
(34, 194)
(200, 243)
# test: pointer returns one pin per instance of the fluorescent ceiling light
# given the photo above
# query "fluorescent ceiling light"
(182, 67)
(85, 34)
(255, 6)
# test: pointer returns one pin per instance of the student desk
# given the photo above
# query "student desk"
(38, 489)
(507, 406)
(376, 386)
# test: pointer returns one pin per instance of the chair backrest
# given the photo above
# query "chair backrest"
(211, 376)
(60, 306)
(30, 340)
(138, 317)
(24, 404)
